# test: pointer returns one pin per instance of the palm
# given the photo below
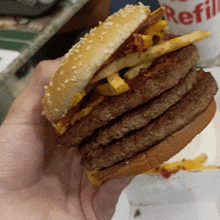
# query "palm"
(39, 180)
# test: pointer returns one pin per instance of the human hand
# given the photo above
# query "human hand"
(38, 179)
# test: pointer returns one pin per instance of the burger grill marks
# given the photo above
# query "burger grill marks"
(176, 117)
(165, 73)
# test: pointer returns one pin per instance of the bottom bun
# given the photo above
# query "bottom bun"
(157, 154)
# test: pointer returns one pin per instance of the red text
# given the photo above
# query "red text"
(207, 10)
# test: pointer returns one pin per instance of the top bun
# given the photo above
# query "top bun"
(85, 58)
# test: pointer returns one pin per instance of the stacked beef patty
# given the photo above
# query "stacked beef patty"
(161, 101)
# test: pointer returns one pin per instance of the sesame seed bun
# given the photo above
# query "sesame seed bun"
(86, 57)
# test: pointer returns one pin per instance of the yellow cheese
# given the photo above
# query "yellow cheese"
(79, 115)
(155, 30)
(60, 128)
(188, 165)
(77, 98)
(147, 41)
(147, 37)
(86, 110)
(92, 178)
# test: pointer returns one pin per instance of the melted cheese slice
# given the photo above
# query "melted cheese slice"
(191, 164)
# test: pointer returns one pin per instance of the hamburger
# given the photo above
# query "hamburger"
(128, 95)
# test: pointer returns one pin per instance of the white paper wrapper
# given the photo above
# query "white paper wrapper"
(186, 16)
(185, 195)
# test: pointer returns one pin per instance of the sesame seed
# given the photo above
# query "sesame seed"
(51, 84)
(134, 16)
(107, 51)
(73, 47)
(45, 87)
(80, 64)
(110, 44)
(78, 46)
(58, 88)
(42, 113)
(73, 79)
(61, 73)
(101, 37)
(56, 110)
(92, 34)
(103, 32)
(88, 47)
(90, 41)
(117, 25)
(66, 55)
(48, 94)
(109, 18)
(74, 67)
(76, 50)
(66, 81)
(100, 22)
(126, 26)
(62, 85)
(49, 101)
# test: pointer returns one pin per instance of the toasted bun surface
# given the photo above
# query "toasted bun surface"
(159, 153)
(85, 58)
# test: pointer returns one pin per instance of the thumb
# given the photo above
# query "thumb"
(28, 103)
(23, 134)
(43, 73)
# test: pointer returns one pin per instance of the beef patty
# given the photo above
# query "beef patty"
(141, 116)
(173, 119)
(165, 73)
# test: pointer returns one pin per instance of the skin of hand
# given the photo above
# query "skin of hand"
(88, 16)
(38, 179)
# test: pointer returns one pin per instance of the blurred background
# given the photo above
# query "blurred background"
(70, 34)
